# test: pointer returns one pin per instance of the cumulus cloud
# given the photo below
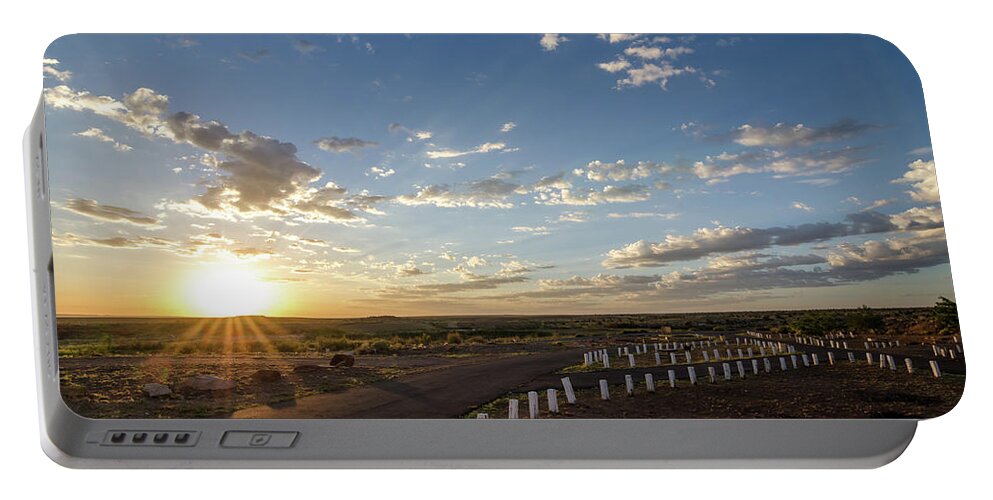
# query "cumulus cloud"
(705, 242)
(551, 41)
(619, 64)
(94, 210)
(599, 171)
(255, 175)
(507, 127)
(617, 37)
(488, 193)
(49, 68)
(783, 135)
(343, 144)
(876, 259)
(141, 110)
(380, 172)
(649, 73)
(646, 52)
(922, 180)
(100, 135)
(580, 216)
(590, 197)
(749, 272)
(802, 206)
(778, 163)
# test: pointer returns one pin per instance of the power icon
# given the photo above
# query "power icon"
(260, 439)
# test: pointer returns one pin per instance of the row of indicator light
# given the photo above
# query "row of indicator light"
(157, 438)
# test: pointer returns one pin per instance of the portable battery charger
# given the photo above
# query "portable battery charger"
(580, 250)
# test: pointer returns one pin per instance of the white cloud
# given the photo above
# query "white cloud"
(551, 41)
(486, 147)
(802, 206)
(536, 230)
(507, 127)
(705, 242)
(590, 197)
(380, 172)
(95, 210)
(100, 135)
(48, 67)
(923, 181)
(650, 73)
(643, 215)
(619, 64)
(580, 216)
(599, 171)
(488, 193)
(646, 52)
(253, 175)
(782, 135)
(617, 37)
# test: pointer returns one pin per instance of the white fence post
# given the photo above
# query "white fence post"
(672, 378)
(631, 360)
(604, 392)
(813, 359)
(533, 404)
(658, 360)
(727, 371)
(935, 370)
(692, 372)
(629, 384)
(650, 382)
(767, 365)
(712, 374)
(910, 365)
(512, 409)
(482, 415)
(755, 367)
(570, 395)
(553, 401)
(741, 369)
(782, 363)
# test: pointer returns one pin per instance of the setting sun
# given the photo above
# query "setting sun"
(221, 289)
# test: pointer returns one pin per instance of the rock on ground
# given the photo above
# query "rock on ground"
(156, 390)
(206, 383)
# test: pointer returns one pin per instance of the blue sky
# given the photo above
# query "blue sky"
(354, 175)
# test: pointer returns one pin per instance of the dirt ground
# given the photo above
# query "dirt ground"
(845, 390)
(111, 387)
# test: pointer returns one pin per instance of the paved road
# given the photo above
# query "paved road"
(441, 393)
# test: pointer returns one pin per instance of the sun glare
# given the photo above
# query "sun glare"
(222, 289)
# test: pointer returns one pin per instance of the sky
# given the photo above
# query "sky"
(356, 175)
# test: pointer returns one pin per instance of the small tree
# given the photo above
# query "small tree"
(817, 323)
(946, 316)
(865, 320)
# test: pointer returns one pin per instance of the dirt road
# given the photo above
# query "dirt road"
(441, 393)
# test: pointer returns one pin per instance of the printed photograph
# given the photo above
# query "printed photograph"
(496, 226)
